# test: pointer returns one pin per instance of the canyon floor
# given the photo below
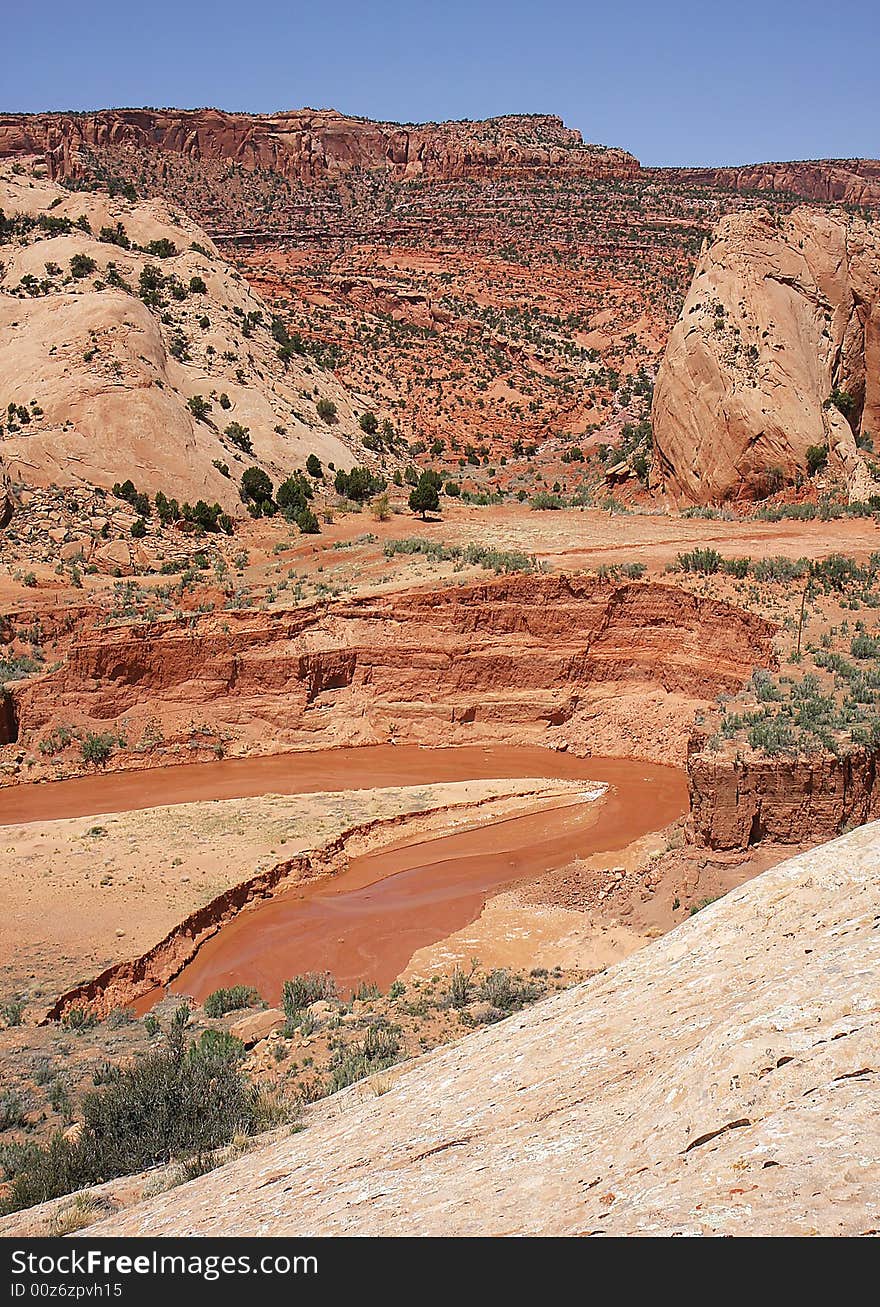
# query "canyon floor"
(402, 703)
(109, 901)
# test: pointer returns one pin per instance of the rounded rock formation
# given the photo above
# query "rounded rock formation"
(776, 351)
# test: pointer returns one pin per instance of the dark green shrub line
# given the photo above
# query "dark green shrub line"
(182, 1099)
(493, 560)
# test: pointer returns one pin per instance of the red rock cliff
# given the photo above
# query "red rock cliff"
(738, 801)
(310, 144)
(847, 181)
(502, 659)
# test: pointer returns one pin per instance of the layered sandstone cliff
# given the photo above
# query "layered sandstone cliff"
(721, 1081)
(307, 145)
(842, 181)
(502, 659)
(777, 349)
(740, 799)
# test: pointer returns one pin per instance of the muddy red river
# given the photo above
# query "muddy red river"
(366, 923)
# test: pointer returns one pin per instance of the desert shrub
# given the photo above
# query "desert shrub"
(12, 1113)
(817, 459)
(326, 410)
(838, 572)
(506, 991)
(293, 495)
(300, 991)
(313, 466)
(381, 507)
(221, 1001)
(359, 484)
(162, 248)
(199, 407)
(771, 735)
(423, 498)
(16, 668)
(239, 436)
(864, 646)
(460, 985)
(766, 689)
(703, 561)
(79, 1018)
(167, 509)
(494, 560)
(379, 1049)
(701, 510)
(210, 517)
(545, 500)
(179, 1100)
(779, 569)
(97, 748)
(307, 522)
(12, 1012)
(703, 903)
(843, 401)
(256, 486)
(82, 265)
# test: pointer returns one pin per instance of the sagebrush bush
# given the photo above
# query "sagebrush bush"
(506, 991)
(379, 1049)
(703, 561)
(181, 1099)
(300, 991)
(222, 1000)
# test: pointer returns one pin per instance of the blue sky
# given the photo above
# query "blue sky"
(675, 83)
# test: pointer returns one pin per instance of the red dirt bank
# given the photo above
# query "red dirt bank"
(507, 660)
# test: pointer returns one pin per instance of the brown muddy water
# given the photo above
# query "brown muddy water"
(367, 922)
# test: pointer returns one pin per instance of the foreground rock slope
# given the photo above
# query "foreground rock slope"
(721, 1081)
(776, 351)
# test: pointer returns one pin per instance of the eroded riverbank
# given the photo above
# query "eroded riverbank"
(364, 912)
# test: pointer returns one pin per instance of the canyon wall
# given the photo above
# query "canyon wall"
(777, 349)
(736, 801)
(842, 181)
(307, 145)
(506, 659)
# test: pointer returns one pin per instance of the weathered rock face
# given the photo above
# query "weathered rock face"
(113, 367)
(847, 181)
(738, 801)
(780, 314)
(309, 144)
(484, 661)
(721, 1081)
(7, 503)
